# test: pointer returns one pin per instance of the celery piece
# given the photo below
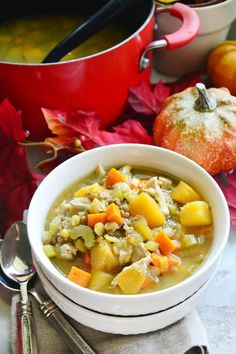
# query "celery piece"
(188, 241)
(55, 224)
(173, 209)
(134, 238)
(130, 195)
(117, 193)
(99, 280)
(178, 232)
(85, 232)
(151, 246)
(50, 251)
(47, 236)
(64, 233)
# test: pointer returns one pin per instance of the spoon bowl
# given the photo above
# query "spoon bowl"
(16, 258)
(13, 285)
(17, 264)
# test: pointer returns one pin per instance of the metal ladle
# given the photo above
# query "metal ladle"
(88, 28)
(15, 251)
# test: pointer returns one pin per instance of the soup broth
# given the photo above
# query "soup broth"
(29, 40)
(128, 230)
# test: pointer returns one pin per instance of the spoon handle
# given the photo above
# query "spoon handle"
(74, 340)
(26, 337)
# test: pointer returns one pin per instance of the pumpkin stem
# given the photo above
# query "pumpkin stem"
(204, 103)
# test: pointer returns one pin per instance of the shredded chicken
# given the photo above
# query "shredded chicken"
(155, 191)
(82, 203)
(124, 187)
(67, 251)
(100, 171)
(139, 252)
(97, 206)
(165, 182)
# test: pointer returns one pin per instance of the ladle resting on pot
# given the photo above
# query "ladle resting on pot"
(92, 25)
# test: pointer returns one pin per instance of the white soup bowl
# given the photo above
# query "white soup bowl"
(168, 162)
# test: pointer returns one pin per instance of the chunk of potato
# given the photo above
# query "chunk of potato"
(130, 280)
(99, 280)
(146, 206)
(102, 257)
(183, 193)
(143, 229)
(82, 192)
(195, 214)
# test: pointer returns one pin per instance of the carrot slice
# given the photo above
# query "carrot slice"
(155, 259)
(172, 261)
(165, 263)
(147, 283)
(87, 258)
(79, 276)
(114, 176)
(95, 218)
(166, 245)
(135, 184)
(160, 261)
(113, 214)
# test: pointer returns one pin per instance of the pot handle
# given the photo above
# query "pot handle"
(187, 32)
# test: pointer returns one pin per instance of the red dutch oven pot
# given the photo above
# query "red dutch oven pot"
(96, 83)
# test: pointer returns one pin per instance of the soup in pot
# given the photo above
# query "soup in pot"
(128, 231)
(29, 40)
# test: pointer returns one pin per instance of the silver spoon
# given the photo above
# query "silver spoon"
(74, 340)
(17, 264)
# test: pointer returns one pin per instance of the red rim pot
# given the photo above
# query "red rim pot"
(96, 83)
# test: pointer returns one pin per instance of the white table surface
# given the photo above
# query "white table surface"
(217, 308)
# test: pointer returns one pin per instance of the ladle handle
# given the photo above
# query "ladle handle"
(73, 339)
(26, 337)
(89, 27)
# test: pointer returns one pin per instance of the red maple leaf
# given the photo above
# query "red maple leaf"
(144, 100)
(147, 100)
(69, 126)
(17, 184)
(161, 92)
(186, 81)
(227, 183)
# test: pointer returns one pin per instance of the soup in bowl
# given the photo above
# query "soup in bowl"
(128, 230)
(137, 234)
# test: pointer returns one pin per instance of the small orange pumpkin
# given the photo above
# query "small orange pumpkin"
(200, 124)
(221, 66)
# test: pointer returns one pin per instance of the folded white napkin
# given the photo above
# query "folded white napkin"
(186, 336)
